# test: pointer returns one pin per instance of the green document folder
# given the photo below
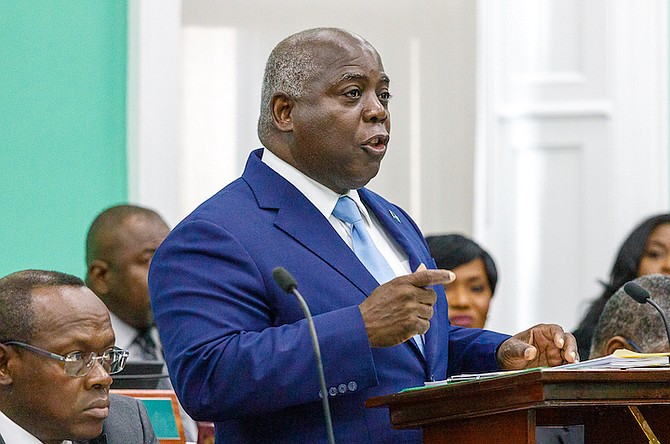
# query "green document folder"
(162, 417)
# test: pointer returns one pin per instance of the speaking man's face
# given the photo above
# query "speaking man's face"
(341, 123)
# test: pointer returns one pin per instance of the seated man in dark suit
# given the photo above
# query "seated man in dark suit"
(119, 246)
(56, 357)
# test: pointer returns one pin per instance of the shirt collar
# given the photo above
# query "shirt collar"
(125, 333)
(322, 197)
(16, 434)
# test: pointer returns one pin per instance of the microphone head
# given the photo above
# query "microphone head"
(284, 279)
(636, 292)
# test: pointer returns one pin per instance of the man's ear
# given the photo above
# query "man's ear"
(282, 106)
(5, 356)
(98, 272)
(617, 342)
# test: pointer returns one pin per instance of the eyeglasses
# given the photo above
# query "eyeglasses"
(79, 363)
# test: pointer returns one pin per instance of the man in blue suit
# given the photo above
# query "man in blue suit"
(238, 348)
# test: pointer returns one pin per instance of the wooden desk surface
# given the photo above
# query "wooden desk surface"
(545, 391)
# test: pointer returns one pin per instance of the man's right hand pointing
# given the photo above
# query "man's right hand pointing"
(403, 307)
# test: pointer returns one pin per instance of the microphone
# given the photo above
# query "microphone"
(642, 296)
(287, 283)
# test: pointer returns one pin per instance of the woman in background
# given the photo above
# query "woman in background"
(469, 296)
(645, 251)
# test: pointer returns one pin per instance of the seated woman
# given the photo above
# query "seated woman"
(645, 251)
(469, 296)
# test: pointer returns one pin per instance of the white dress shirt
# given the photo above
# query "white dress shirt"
(325, 199)
(13, 433)
(126, 334)
(125, 337)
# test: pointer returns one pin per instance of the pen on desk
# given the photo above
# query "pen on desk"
(476, 376)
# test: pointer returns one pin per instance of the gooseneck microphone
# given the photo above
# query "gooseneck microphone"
(635, 291)
(287, 283)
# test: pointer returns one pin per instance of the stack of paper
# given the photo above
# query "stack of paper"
(621, 358)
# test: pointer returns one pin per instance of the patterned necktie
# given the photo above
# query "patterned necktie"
(346, 210)
(147, 345)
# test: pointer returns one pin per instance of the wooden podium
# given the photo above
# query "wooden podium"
(611, 405)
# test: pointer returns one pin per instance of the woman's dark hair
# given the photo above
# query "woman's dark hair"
(453, 250)
(625, 268)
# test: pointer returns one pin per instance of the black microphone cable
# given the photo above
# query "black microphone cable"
(635, 291)
(287, 283)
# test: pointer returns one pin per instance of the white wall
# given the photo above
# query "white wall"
(573, 148)
(222, 48)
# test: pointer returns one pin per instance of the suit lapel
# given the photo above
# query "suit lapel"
(396, 224)
(316, 234)
(301, 220)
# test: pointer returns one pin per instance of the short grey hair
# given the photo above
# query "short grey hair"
(640, 323)
(290, 66)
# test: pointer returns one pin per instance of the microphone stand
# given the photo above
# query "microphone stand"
(642, 296)
(665, 320)
(288, 284)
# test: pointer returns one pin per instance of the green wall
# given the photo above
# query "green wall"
(62, 127)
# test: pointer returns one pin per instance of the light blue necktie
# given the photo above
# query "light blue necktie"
(346, 210)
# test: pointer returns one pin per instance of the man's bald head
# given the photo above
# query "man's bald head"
(291, 65)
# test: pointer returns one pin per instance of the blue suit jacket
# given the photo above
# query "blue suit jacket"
(238, 348)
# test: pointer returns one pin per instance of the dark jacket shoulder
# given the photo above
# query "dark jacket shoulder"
(128, 422)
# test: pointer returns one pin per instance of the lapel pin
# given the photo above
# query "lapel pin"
(394, 216)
